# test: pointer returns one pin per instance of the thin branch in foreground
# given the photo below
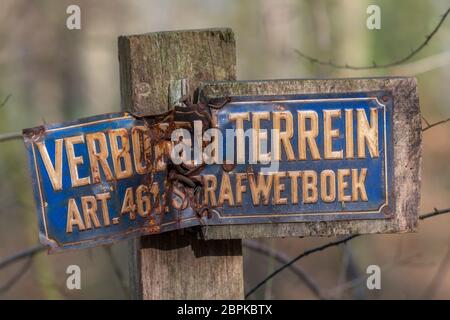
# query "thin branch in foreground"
(304, 254)
(436, 212)
(5, 101)
(375, 65)
(426, 121)
(284, 259)
(429, 126)
(29, 252)
(17, 276)
(10, 136)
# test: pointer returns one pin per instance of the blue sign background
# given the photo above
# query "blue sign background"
(52, 205)
(379, 170)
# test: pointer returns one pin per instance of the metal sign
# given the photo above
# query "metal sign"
(334, 157)
(259, 159)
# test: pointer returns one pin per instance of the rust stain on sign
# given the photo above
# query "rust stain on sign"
(85, 185)
(119, 175)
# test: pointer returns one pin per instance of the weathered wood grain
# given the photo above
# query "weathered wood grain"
(176, 265)
(407, 137)
(148, 62)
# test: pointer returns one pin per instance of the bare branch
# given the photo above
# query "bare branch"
(17, 276)
(429, 126)
(304, 254)
(29, 252)
(10, 136)
(436, 212)
(375, 65)
(284, 259)
(426, 121)
(5, 100)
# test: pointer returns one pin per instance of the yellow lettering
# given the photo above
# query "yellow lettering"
(122, 153)
(74, 161)
(308, 136)
(278, 187)
(103, 198)
(209, 189)
(141, 148)
(226, 194)
(342, 185)
(358, 186)
(143, 201)
(54, 173)
(349, 148)
(328, 186)
(239, 187)
(367, 133)
(260, 187)
(74, 217)
(89, 205)
(283, 136)
(128, 205)
(329, 134)
(294, 185)
(98, 156)
(310, 194)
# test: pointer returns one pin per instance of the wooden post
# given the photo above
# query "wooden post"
(177, 265)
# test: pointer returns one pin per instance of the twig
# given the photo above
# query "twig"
(436, 212)
(17, 276)
(10, 136)
(284, 259)
(29, 252)
(375, 65)
(304, 254)
(5, 100)
(38, 248)
(426, 121)
(429, 126)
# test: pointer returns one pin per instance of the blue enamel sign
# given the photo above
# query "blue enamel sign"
(334, 157)
(259, 159)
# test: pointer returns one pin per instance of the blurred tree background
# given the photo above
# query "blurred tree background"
(52, 74)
